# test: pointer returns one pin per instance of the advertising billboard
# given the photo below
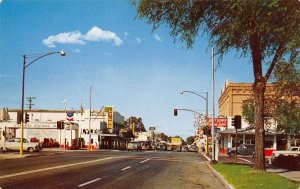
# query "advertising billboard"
(218, 122)
(109, 110)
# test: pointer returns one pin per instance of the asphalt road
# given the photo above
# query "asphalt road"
(111, 170)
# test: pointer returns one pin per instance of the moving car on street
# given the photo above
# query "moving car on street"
(134, 146)
(14, 144)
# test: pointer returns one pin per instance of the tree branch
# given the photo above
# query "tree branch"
(275, 59)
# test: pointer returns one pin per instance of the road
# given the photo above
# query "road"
(108, 169)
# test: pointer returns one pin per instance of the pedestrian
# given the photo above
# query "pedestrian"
(4, 140)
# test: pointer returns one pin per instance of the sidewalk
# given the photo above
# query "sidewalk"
(292, 175)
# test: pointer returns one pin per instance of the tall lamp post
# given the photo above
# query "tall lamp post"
(206, 109)
(25, 65)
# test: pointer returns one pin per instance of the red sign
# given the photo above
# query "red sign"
(218, 122)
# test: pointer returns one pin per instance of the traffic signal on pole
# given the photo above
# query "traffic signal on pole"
(175, 112)
(58, 124)
(238, 121)
(26, 117)
(62, 125)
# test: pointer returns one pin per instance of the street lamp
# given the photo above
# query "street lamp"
(205, 98)
(206, 111)
(62, 53)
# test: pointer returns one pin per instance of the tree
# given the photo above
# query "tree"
(267, 30)
(190, 140)
(287, 98)
(284, 104)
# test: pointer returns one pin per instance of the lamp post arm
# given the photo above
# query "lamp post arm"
(195, 94)
(189, 110)
(39, 58)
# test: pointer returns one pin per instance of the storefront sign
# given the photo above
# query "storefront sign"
(70, 115)
(109, 110)
(38, 126)
(93, 131)
(218, 122)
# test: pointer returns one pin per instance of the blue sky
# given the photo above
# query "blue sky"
(139, 72)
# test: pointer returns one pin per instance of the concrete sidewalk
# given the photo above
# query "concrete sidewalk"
(292, 175)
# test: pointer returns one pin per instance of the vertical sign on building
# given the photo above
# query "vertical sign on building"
(109, 110)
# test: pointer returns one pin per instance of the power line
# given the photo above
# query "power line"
(30, 102)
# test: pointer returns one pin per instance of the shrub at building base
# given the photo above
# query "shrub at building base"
(287, 162)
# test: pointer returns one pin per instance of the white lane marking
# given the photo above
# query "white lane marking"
(126, 168)
(52, 168)
(245, 160)
(144, 160)
(89, 182)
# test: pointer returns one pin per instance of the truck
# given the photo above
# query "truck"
(293, 151)
(175, 144)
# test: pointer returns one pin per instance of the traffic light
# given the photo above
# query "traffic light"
(237, 121)
(175, 112)
(62, 125)
(232, 122)
(26, 117)
(58, 124)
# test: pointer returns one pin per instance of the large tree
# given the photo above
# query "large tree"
(264, 29)
(283, 103)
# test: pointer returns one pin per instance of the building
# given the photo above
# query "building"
(78, 127)
(230, 104)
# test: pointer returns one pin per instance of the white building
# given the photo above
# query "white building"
(77, 124)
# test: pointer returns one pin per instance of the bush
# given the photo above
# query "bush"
(287, 162)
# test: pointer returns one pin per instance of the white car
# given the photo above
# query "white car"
(14, 144)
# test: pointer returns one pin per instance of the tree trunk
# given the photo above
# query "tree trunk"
(259, 90)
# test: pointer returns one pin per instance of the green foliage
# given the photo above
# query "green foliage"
(242, 176)
(164, 137)
(287, 97)
(190, 140)
(284, 104)
(229, 24)
(248, 111)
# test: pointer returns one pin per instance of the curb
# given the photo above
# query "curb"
(219, 176)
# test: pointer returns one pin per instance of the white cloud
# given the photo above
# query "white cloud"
(75, 37)
(77, 50)
(64, 38)
(138, 40)
(1, 1)
(97, 34)
(157, 38)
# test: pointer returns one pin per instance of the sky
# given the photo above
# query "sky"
(138, 71)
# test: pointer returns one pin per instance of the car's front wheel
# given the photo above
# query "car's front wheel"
(30, 150)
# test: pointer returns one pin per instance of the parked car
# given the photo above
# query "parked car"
(193, 148)
(243, 149)
(134, 146)
(14, 144)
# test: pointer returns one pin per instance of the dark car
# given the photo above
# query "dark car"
(243, 149)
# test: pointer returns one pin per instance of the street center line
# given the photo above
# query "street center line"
(245, 160)
(126, 168)
(89, 182)
(144, 160)
(52, 168)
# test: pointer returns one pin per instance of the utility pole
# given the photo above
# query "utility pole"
(213, 109)
(90, 144)
(30, 102)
